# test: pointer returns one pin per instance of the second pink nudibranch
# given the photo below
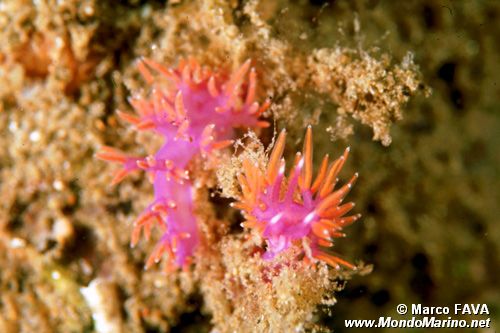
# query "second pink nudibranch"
(297, 210)
(195, 110)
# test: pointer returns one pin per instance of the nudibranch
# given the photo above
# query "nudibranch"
(296, 211)
(195, 110)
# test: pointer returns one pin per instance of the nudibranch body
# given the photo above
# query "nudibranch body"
(195, 110)
(296, 210)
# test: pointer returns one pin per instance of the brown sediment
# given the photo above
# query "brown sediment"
(366, 89)
(244, 293)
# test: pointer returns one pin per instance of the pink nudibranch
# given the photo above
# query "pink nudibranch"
(195, 110)
(297, 210)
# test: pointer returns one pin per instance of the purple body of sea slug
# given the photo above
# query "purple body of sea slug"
(195, 110)
(297, 211)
